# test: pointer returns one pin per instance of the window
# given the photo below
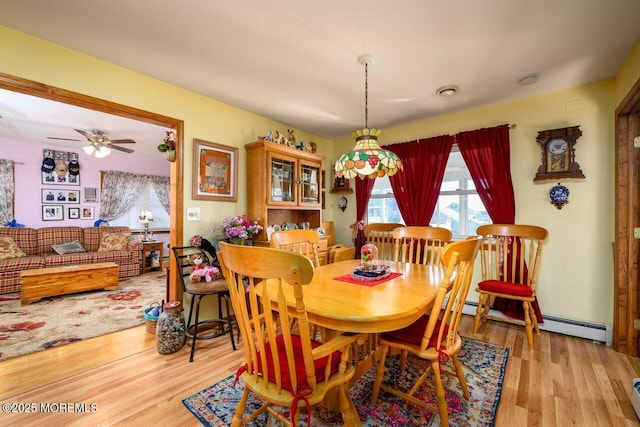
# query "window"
(459, 207)
(147, 201)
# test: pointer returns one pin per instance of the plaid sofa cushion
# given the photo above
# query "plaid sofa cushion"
(48, 236)
(24, 237)
(93, 236)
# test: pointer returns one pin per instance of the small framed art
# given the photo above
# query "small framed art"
(86, 212)
(57, 196)
(52, 213)
(215, 172)
(74, 213)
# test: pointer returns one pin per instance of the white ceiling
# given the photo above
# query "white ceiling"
(296, 61)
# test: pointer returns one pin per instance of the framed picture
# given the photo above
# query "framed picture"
(60, 168)
(74, 213)
(52, 213)
(86, 212)
(60, 196)
(215, 172)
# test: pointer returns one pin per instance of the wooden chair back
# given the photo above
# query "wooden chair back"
(511, 252)
(420, 245)
(459, 260)
(279, 352)
(304, 242)
(330, 232)
(380, 234)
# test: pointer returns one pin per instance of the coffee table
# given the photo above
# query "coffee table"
(68, 279)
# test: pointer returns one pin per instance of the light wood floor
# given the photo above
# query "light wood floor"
(565, 381)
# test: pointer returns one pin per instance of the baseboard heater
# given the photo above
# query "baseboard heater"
(602, 333)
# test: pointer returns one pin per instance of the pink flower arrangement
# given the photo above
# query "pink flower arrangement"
(238, 227)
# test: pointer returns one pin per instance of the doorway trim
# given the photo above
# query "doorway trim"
(627, 217)
(18, 84)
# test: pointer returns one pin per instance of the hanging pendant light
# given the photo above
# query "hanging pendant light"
(367, 158)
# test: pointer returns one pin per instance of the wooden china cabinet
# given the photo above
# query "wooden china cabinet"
(283, 186)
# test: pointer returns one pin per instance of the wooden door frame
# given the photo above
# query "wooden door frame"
(18, 84)
(627, 216)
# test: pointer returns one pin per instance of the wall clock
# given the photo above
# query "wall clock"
(558, 154)
(342, 203)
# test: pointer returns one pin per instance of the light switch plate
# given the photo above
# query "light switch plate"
(636, 233)
(193, 214)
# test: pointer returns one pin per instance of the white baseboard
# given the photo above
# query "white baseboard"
(596, 332)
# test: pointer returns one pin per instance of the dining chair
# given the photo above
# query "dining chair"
(336, 251)
(199, 290)
(380, 234)
(510, 259)
(282, 365)
(420, 245)
(434, 337)
(304, 242)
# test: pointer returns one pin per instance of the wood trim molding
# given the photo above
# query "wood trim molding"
(627, 216)
(28, 87)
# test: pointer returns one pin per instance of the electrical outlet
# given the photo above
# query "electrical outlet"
(636, 142)
(636, 233)
(636, 324)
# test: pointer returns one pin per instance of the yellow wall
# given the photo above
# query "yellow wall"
(629, 74)
(204, 118)
(576, 276)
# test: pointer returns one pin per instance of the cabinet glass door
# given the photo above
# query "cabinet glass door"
(282, 180)
(310, 184)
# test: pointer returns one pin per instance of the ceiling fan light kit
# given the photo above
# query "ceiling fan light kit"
(100, 145)
(367, 158)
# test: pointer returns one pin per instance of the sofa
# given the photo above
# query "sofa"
(34, 248)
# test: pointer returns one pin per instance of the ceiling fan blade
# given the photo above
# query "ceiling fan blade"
(64, 139)
(84, 133)
(122, 141)
(117, 147)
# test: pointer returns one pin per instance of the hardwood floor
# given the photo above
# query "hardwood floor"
(564, 381)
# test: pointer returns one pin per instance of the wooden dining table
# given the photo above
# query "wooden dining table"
(358, 307)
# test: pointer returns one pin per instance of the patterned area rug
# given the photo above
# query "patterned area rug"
(56, 321)
(484, 366)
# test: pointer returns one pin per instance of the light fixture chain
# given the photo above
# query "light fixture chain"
(366, 95)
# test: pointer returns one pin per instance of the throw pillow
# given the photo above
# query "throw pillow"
(9, 249)
(114, 242)
(68, 248)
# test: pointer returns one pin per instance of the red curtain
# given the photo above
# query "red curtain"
(487, 154)
(417, 187)
(364, 186)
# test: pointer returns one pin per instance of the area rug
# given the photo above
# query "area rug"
(55, 321)
(484, 366)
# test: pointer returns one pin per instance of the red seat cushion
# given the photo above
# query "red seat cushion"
(413, 333)
(301, 375)
(509, 288)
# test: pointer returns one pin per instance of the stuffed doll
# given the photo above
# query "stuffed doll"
(200, 271)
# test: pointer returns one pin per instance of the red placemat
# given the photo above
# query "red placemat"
(347, 278)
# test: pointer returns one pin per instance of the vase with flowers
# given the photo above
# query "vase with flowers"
(168, 146)
(237, 229)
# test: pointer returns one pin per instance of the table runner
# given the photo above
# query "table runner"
(349, 279)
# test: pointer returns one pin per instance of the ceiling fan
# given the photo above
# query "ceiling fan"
(98, 140)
